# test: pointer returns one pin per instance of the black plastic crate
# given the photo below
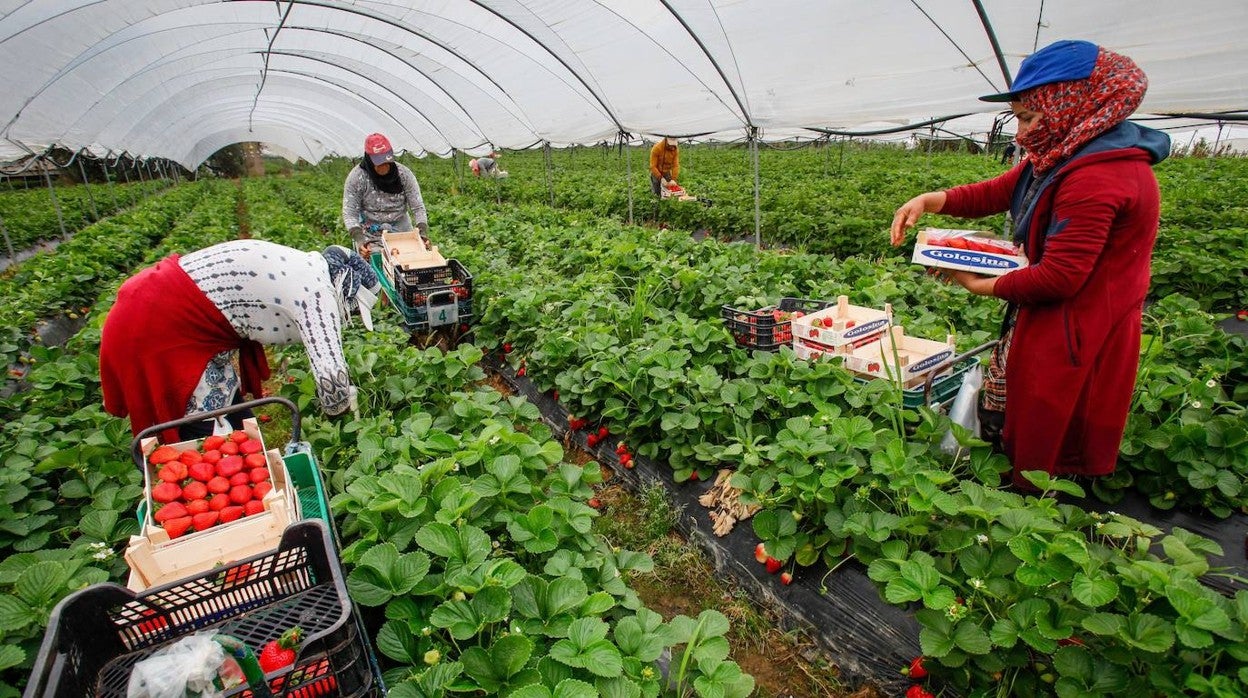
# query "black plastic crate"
(759, 329)
(97, 635)
(416, 287)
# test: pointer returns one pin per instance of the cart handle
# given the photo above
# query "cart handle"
(136, 446)
(927, 383)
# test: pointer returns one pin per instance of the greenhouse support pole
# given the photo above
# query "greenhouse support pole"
(126, 176)
(550, 187)
(628, 169)
(841, 163)
(112, 190)
(56, 203)
(7, 242)
(758, 229)
(95, 213)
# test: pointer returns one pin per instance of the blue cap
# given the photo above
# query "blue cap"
(1058, 62)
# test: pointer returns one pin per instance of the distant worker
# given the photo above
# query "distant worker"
(664, 165)
(379, 192)
(488, 166)
(1007, 155)
(171, 341)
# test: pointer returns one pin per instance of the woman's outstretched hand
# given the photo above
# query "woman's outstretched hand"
(910, 212)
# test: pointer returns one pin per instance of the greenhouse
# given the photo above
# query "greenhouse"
(624, 348)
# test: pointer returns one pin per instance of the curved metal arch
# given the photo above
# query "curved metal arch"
(409, 64)
(252, 26)
(601, 101)
(407, 29)
(992, 39)
(140, 124)
(303, 119)
(233, 53)
(883, 131)
(745, 112)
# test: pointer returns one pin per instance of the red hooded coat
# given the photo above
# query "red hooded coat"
(1089, 232)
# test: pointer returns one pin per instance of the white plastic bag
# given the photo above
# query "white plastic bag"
(964, 409)
(193, 666)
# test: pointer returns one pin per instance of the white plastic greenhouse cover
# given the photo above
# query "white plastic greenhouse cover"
(182, 78)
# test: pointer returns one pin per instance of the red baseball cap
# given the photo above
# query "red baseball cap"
(377, 148)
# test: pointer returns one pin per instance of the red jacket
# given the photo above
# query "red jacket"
(156, 341)
(1070, 372)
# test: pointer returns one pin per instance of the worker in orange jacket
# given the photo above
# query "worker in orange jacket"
(664, 164)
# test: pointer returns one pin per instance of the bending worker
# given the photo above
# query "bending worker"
(664, 164)
(379, 192)
(170, 341)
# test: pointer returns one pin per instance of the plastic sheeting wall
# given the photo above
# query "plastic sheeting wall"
(179, 78)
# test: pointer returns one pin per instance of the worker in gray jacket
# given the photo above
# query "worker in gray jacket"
(379, 192)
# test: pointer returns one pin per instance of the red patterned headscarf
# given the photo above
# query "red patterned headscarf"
(1076, 111)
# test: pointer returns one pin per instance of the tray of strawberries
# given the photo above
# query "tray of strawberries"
(768, 328)
(967, 250)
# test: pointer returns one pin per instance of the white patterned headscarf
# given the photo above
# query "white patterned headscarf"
(354, 280)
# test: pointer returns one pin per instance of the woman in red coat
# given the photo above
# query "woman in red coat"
(1085, 203)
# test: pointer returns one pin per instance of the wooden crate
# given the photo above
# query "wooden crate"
(896, 356)
(851, 324)
(155, 559)
(408, 251)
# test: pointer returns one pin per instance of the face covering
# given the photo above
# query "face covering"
(390, 182)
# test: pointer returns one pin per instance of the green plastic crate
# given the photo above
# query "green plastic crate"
(943, 389)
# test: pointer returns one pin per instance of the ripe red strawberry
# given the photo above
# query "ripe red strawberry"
(917, 691)
(621, 448)
(240, 494)
(229, 448)
(261, 489)
(173, 471)
(327, 686)
(230, 466)
(850, 323)
(197, 506)
(693, 477)
(212, 456)
(238, 436)
(916, 669)
(595, 503)
(265, 419)
(177, 527)
(760, 553)
(786, 578)
(204, 521)
(162, 455)
(219, 502)
(218, 484)
(258, 475)
(555, 395)
(240, 479)
(202, 471)
(189, 456)
(172, 510)
(233, 513)
(591, 440)
(250, 446)
(773, 565)
(506, 347)
(213, 442)
(153, 625)
(627, 461)
(280, 653)
(166, 492)
(255, 506)
(237, 574)
(195, 490)
(602, 433)
(254, 460)
(521, 372)
(1242, 315)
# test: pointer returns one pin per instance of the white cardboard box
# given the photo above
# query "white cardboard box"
(850, 324)
(932, 249)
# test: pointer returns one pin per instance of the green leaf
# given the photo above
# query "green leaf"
(439, 539)
(1148, 633)
(1093, 592)
(1104, 623)
(42, 584)
(16, 614)
(395, 640)
(1075, 662)
(970, 638)
(11, 656)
